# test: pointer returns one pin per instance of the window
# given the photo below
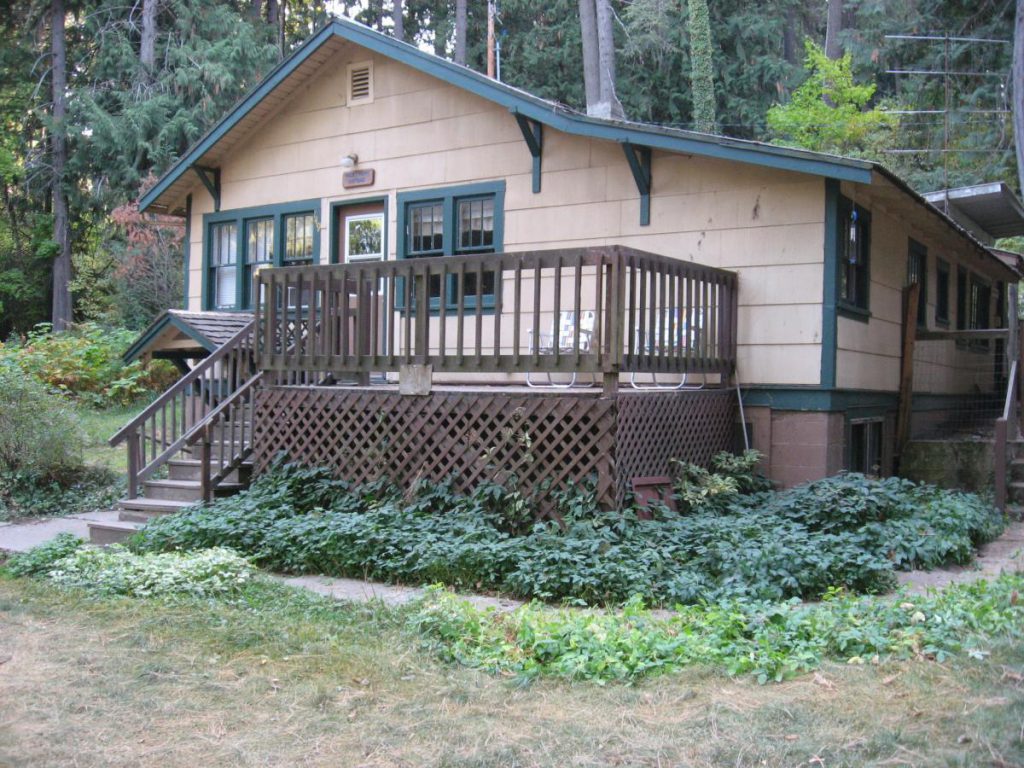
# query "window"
(866, 446)
(941, 292)
(979, 311)
(961, 299)
(239, 243)
(298, 239)
(364, 237)
(454, 221)
(917, 272)
(224, 265)
(854, 256)
(259, 251)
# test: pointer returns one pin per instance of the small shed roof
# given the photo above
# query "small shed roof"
(993, 209)
(179, 333)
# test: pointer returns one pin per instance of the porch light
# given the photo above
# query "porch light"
(349, 161)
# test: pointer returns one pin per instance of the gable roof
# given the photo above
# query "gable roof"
(209, 330)
(305, 62)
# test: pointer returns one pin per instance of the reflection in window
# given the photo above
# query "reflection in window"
(364, 237)
(298, 238)
(426, 225)
(259, 251)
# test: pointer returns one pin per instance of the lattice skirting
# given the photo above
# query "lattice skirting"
(544, 439)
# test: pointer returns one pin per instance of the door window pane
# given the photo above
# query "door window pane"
(364, 237)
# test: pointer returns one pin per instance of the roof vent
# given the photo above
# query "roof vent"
(360, 82)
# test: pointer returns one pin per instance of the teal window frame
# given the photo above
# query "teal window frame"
(859, 307)
(449, 198)
(241, 218)
(917, 272)
(942, 286)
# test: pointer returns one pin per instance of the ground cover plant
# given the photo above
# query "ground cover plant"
(731, 540)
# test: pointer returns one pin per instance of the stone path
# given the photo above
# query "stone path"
(1005, 554)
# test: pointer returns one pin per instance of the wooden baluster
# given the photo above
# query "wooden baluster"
(460, 311)
(479, 311)
(498, 274)
(133, 464)
(517, 311)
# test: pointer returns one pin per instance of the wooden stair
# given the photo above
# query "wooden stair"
(198, 433)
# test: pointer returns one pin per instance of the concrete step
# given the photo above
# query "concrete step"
(153, 507)
(112, 532)
(185, 490)
(188, 469)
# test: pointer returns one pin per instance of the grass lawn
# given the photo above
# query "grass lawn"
(99, 426)
(291, 680)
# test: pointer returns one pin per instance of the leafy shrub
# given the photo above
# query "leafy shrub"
(772, 641)
(85, 363)
(40, 435)
(117, 571)
(849, 531)
(38, 560)
(86, 490)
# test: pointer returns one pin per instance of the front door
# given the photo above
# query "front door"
(360, 231)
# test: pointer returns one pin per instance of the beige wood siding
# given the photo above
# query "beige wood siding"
(419, 132)
(868, 355)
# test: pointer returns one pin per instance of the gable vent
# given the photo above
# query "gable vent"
(360, 82)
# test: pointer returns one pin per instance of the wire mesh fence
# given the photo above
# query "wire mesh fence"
(960, 380)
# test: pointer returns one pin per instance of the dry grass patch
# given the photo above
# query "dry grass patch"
(287, 681)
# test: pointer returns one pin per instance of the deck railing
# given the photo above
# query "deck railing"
(593, 310)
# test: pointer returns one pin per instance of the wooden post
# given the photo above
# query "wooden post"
(133, 464)
(205, 475)
(420, 351)
(911, 296)
(364, 315)
(1000, 464)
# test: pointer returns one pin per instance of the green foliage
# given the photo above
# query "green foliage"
(771, 641)
(115, 571)
(85, 363)
(702, 80)
(25, 494)
(849, 531)
(830, 113)
(40, 437)
(39, 560)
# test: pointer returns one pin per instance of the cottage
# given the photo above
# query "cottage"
(429, 272)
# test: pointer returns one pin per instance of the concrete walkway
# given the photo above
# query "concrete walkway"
(23, 535)
(1004, 555)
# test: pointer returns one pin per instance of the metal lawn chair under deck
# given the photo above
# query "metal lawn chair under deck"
(566, 339)
(670, 335)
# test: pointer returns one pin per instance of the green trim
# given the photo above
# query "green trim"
(240, 216)
(533, 135)
(811, 398)
(211, 180)
(335, 235)
(851, 312)
(549, 113)
(156, 328)
(639, 159)
(830, 289)
(187, 249)
(448, 197)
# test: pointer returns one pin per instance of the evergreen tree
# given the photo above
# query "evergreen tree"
(702, 79)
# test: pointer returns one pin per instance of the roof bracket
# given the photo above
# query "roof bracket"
(639, 159)
(533, 133)
(211, 180)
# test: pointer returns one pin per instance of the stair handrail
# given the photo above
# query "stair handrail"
(203, 431)
(1002, 423)
(236, 353)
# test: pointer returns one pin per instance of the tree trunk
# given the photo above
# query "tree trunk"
(460, 32)
(610, 104)
(147, 47)
(59, 152)
(272, 13)
(702, 77)
(591, 56)
(255, 9)
(1017, 90)
(833, 26)
(398, 15)
(792, 47)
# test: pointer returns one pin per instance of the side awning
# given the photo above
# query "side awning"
(179, 335)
